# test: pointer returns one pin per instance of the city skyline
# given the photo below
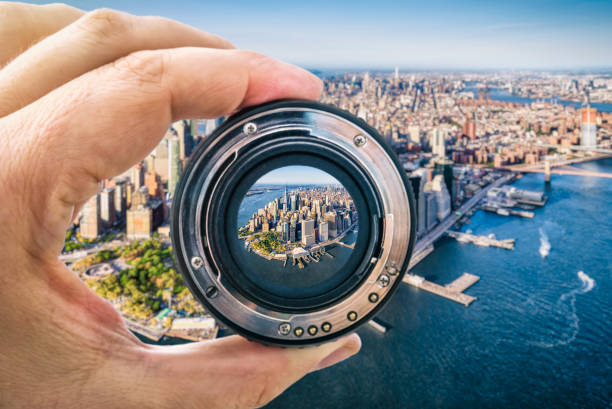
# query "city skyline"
(436, 35)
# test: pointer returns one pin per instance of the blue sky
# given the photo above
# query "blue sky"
(413, 35)
(295, 175)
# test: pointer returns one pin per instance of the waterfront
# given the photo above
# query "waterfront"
(500, 94)
(538, 335)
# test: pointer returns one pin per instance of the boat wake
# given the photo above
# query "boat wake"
(567, 304)
(544, 244)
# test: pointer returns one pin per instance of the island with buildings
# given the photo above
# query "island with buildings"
(301, 224)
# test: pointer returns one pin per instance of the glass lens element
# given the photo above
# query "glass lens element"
(297, 226)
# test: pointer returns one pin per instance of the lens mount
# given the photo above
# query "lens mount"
(219, 174)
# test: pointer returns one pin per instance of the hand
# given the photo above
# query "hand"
(93, 96)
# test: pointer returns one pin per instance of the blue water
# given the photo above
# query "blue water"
(500, 94)
(537, 337)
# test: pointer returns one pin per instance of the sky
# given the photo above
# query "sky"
(413, 35)
(296, 175)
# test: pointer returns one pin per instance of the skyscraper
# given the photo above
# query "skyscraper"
(438, 187)
(137, 176)
(589, 127)
(308, 237)
(323, 231)
(174, 164)
(91, 223)
(437, 142)
(107, 206)
(418, 180)
(469, 128)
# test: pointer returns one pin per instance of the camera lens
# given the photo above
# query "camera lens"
(293, 223)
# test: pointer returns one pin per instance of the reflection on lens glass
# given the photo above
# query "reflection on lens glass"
(297, 226)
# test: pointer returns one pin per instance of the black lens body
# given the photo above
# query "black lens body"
(219, 174)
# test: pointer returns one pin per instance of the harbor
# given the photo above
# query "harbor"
(453, 291)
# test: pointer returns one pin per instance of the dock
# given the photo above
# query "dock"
(452, 291)
(484, 241)
(502, 211)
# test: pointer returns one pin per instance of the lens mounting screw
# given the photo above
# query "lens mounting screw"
(391, 270)
(284, 328)
(197, 262)
(360, 140)
(373, 297)
(352, 316)
(383, 280)
(250, 128)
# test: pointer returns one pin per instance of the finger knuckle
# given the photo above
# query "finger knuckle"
(145, 66)
(105, 22)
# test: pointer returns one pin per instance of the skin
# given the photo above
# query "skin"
(83, 97)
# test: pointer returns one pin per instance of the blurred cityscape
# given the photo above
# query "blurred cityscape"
(461, 139)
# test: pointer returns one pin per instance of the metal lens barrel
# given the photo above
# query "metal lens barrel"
(285, 261)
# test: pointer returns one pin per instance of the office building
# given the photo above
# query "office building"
(91, 223)
(308, 237)
(107, 207)
(438, 187)
(323, 231)
(589, 127)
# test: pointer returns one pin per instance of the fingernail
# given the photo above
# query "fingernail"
(348, 348)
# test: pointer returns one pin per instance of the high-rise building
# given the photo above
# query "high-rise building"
(438, 187)
(323, 231)
(431, 206)
(292, 231)
(415, 134)
(444, 167)
(437, 142)
(346, 222)
(137, 176)
(161, 156)
(469, 128)
(144, 216)
(174, 164)
(418, 179)
(308, 237)
(153, 184)
(589, 127)
(121, 197)
(294, 203)
(139, 222)
(91, 223)
(330, 218)
(285, 231)
(107, 207)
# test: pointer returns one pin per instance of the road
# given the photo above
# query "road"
(79, 254)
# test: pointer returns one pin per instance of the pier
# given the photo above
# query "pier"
(378, 327)
(502, 211)
(452, 291)
(484, 241)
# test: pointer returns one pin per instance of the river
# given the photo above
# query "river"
(538, 335)
(500, 94)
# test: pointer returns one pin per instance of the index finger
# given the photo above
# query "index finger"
(100, 124)
(22, 25)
